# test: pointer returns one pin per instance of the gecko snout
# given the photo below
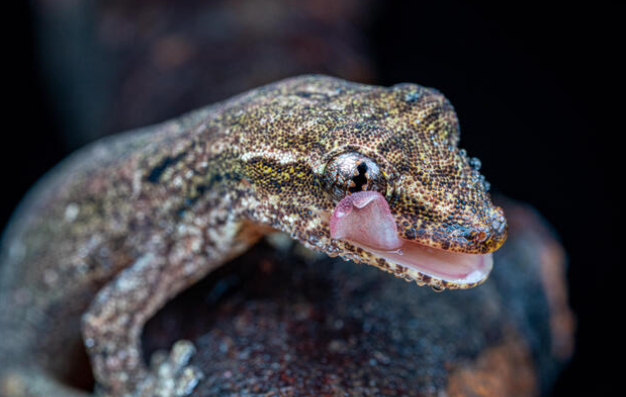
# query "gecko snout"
(492, 234)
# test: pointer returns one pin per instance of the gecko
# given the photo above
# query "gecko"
(371, 174)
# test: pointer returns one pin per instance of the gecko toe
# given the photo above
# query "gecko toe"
(171, 375)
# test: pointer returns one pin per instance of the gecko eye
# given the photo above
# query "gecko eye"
(352, 172)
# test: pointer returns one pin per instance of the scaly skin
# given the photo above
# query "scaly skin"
(128, 222)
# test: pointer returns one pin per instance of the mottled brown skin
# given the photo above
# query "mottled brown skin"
(125, 224)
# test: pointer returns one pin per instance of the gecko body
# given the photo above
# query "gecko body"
(368, 173)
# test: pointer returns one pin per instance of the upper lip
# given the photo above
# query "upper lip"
(463, 239)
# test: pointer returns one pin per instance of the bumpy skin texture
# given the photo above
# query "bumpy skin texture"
(125, 224)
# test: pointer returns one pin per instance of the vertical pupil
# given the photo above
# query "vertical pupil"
(359, 180)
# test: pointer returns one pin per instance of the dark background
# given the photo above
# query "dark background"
(536, 90)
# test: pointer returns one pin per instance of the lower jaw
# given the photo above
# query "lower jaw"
(451, 267)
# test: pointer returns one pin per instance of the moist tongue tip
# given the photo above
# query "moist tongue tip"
(364, 218)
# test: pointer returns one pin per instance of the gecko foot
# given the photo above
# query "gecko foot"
(170, 375)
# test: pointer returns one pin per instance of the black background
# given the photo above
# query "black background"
(536, 90)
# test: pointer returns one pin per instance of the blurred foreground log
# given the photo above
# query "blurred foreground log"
(286, 322)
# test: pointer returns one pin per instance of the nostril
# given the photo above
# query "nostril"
(476, 235)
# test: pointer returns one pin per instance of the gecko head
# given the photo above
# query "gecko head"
(409, 200)
(391, 188)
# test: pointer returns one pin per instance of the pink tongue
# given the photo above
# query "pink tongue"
(364, 219)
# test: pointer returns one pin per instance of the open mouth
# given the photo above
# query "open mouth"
(364, 219)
